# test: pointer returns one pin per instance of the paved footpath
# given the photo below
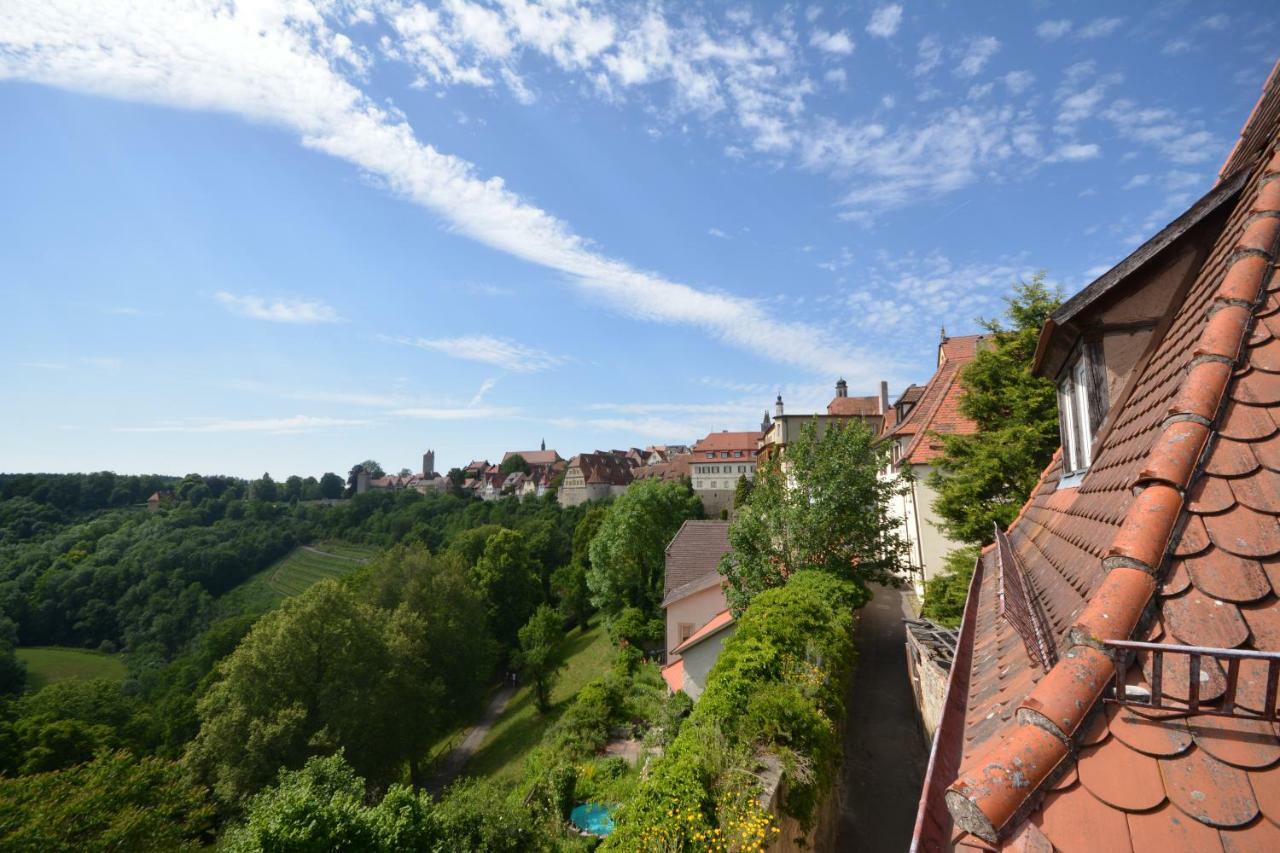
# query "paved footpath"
(884, 749)
(453, 763)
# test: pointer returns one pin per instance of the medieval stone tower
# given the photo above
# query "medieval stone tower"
(429, 464)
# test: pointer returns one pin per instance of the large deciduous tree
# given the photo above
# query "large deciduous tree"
(331, 486)
(324, 672)
(540, 658)
(821, 505)
(983, 479)
(507, 578)
(627, 550)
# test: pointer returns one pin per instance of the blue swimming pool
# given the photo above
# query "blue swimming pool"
(596, 818)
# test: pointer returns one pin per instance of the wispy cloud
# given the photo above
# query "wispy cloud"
(290, 425)
(300, 311)
(976, 55)
(461, 413)
(499, 352)
(1099, 28)
(304, 77)
(123, 311)
(1076, 151)
(1053, 30)
(716, 232)
(485, 387)
(885, 21)
(42, 365)
(103, 362)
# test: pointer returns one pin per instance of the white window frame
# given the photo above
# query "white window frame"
(1081, 405)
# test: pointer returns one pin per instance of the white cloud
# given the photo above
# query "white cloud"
(278, 310)
(291, 425)
(1076, 151)
(270, 63)
(486, 349)
(928, 55)
(1179, 140)
(837, 42)
(716, 232)
(1137, 181)
(485, 387)
(887, 101)
(836, 76)
(885, 21)
(1053, 30)
(1099, 28)
(464, 413)
(1216, 22)
(42, 365)
(1176, 47)
(976, 55)
(1018, 81)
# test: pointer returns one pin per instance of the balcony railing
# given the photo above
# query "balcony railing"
(1225, 706)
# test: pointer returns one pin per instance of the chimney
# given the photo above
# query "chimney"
(777, 407)
(842, 388)
(884, 396)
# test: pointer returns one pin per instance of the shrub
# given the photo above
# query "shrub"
(945, 595)
(778, 686)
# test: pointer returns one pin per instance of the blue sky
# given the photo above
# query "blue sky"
(287, 236)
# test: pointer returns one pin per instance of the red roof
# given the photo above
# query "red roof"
(854, 406)
(676, 469)
(673, 674)
(603, 468)
(718, 623)
(1172, 536)
(533, 457)
(726, 440)
(938, 410)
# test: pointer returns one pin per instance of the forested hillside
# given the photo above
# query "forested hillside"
(226, 689)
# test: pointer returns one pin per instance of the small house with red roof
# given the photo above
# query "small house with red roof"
(914, 425)
(697, 614)
(1114, 684)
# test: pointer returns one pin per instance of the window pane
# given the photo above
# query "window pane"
(1082, 411)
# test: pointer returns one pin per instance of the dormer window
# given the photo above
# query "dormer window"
(1082, 404)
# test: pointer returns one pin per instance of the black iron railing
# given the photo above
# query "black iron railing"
(1225, 706)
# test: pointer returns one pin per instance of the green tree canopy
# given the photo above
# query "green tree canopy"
(820, 505)
(469, 545)
(628, 549)
(507, 578)
(264, 489)
(331, 486)
(540, 659)
(983, 479)
(323, 672)
(114, 802)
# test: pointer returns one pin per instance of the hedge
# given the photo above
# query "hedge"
(778, 687)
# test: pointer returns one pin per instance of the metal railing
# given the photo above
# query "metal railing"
(1225, 706)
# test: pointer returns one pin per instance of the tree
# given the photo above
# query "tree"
(569, 586)
(264, 489)
(513, 463)
(469, 545)
(983, 479)
(293, 488)
(945, 594)
(507, 578)
(114, 802)
(549, 546)
(322, 673)
(822, 505)
(331, 486)
(456, 478)
(540, 658)
(742, 492)
(322, 807)
(458, 652)
(13, 672)
(68, 722)
(372, 468)
(628, 550)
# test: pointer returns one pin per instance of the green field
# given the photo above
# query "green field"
(292, 574)
(520, 728)
(47, 664)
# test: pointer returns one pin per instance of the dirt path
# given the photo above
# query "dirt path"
(453, 763)
(884, 750)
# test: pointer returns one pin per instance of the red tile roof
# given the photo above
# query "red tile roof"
(718, 623)
(938, 410)
(533, 457)
(603, 468)
(1193, 558)
(854, 406)
(726, 440)
(673, 674)
(693, 553)
(675, 469)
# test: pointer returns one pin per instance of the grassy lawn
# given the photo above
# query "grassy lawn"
(47, 664)
(521, 727)
(292, 574)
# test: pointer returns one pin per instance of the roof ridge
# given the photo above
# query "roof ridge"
(1006, 775)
